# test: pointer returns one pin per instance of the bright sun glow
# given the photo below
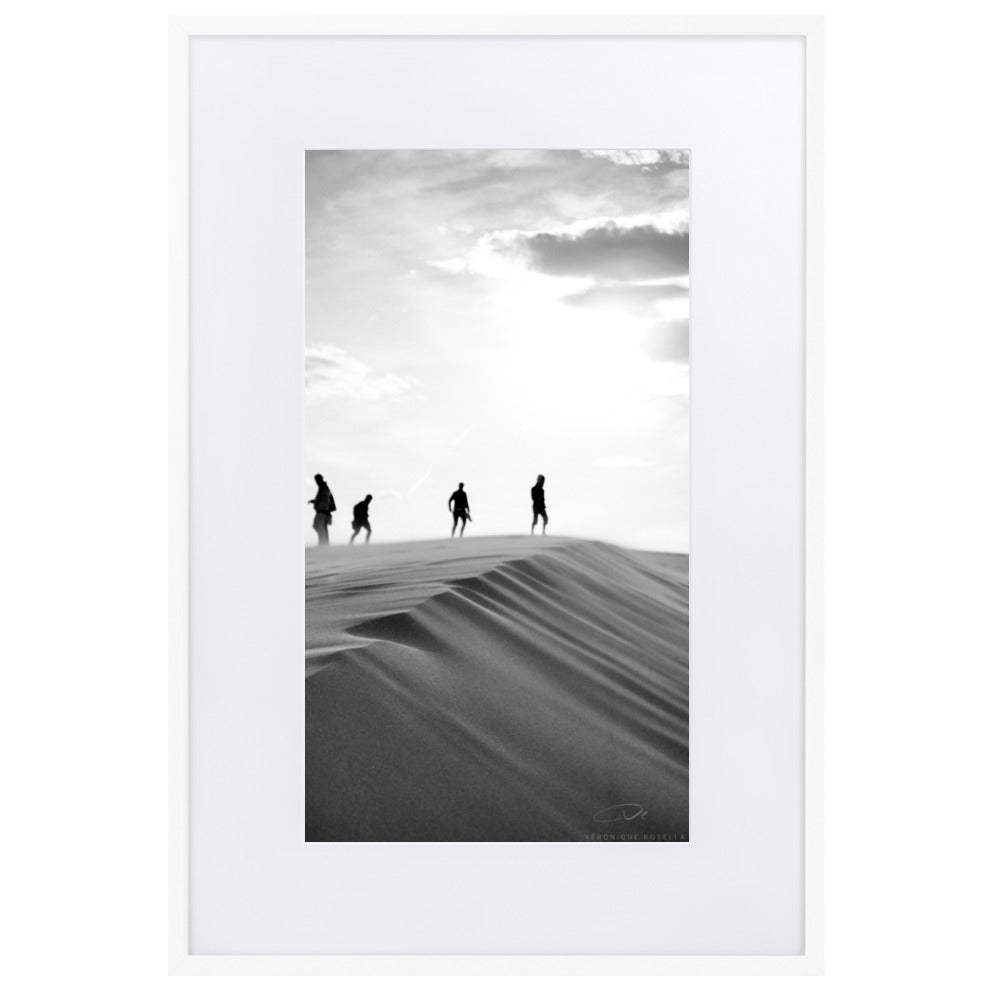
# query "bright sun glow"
(487, 316)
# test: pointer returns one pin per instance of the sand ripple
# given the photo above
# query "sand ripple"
(496, 689)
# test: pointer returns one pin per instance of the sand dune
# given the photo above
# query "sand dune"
(496, 689)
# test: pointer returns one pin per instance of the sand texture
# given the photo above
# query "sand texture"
(496, 689)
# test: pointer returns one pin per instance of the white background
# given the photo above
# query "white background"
(736, 887)
(912, 502)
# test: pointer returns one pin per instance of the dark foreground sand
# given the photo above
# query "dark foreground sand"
(496, 689)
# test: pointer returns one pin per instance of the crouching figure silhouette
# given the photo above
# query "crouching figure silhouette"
(361, 519)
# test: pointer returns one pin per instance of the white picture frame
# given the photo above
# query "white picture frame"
(185, 683)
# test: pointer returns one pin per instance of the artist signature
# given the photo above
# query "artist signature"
(626, 811)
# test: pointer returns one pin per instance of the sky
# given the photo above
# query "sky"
(487, 316)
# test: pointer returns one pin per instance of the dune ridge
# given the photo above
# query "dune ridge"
(496, 689)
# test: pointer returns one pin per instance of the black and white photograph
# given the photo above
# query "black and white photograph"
(495, 495)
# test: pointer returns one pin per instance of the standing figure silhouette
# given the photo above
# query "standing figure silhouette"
(538, 504)
(324, 506)
(361, 519)
(460, 509)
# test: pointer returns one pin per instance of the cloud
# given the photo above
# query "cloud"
(515, 159)
(636, 248)
(333, 373)
(640, 157)
(625, 297)
(611, 252)
(621, 462)
(667, 341)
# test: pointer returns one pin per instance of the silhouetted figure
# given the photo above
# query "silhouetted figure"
(324, 506)
(361, 519)
(538, 504)
(458, 504)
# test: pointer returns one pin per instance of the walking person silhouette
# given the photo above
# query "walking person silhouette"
(361, 519)
(460, 509)
(324, 506)
(538, 504)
